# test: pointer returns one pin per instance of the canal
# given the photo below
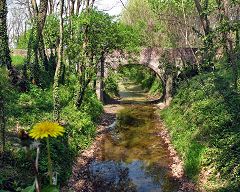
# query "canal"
(133, 156)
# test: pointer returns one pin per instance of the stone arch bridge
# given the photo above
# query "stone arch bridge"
(166, 63)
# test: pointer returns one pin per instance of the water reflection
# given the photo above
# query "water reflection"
(134, 158)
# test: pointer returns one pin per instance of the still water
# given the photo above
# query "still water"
(133, 155)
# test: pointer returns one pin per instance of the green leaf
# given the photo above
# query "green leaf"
(1, 181)
(50, 189)
(30, 188)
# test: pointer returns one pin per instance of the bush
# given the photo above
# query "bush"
(91, 105)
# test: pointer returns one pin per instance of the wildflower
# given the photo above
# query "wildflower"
(46, 129)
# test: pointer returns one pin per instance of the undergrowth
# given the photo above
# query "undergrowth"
(23, 111)
(203, 120)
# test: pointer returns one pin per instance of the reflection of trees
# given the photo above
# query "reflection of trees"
(125, 183)
(112, 176)
(160, 175)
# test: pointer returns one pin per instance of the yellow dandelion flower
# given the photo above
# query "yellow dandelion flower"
(46, 129)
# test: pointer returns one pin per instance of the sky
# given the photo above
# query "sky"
(113, 7)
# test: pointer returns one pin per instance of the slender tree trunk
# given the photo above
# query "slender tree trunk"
(81, 93)
(72, 7)
(168, 88)
(185, 22)
(102, 61)
(238, 32)
(51, 7)
(5, 59)
(41, 22)
(56, 99)
(2, 127)
(79, 3)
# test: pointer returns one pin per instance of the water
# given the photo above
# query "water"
(133, 155)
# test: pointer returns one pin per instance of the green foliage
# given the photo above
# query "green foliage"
(4, 81)
(133, 17)
(156, 87)
(50, 189)
(203, 122)
(91, 105)
(22, 41)
(51, 31)
(18, 61)
(80, 128)
(104, 36)
(143, 76)
(30, 188)
(111, 85)
(158, 26)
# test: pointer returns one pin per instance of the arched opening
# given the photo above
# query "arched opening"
(133, 83)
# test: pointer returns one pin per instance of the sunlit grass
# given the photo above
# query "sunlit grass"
(18, 60)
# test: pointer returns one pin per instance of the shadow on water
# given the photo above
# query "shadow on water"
(133, 156)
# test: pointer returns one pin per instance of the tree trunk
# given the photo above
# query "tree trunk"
(168, 89)
(72, 7)
(36, 48)
(5, 59)
(51, 7)
(2, 127)
(81, 93)
(79, 3)
(83, 80)
(56, 99)
(102, 61)
(41, 22)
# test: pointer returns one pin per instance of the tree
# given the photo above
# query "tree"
(5, 59)
(209, 50)
(56, 101)
(227, 42)
(36, 48)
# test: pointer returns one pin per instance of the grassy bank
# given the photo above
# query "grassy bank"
(203, 120)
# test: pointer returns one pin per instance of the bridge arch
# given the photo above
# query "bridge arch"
(151, 58)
